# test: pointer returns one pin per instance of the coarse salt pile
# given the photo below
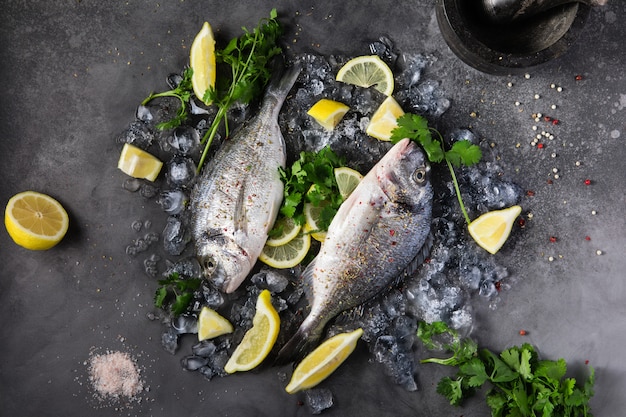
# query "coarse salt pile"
(115, 374)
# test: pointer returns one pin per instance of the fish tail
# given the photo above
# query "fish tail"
(281, 82)
(300, 344)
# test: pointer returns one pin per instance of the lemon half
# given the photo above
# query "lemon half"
(35, 221)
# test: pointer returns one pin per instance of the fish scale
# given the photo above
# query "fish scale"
(237, 198)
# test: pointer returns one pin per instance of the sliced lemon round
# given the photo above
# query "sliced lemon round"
(35, 221)
(259, 340)
(367, 71)
(347, 180)
(385, 119)
(138, 163)
(288, 229)
(328, 113)
(493, 228)
(211, 324)
(312, 215)
(202, 62)
(288, 255)
(323, 361)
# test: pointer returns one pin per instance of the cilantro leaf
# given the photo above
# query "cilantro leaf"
(521, 385)
(179, 288)
(464, 152)
(183, 93)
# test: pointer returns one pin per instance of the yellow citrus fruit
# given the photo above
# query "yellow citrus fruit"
(211, 324)
(259, 340)
(328, 113)
(288, 229)
(323, 361)
(35, 221)
(312, 215)
(493, 228)
(385, 119)
(138, 163)
(368, 71)
(288, 255)
(347, 180)
(202, 62)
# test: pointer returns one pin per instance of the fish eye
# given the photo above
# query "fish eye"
(209, 265)
(419, 175)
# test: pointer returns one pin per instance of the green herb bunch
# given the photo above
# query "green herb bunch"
(311, 179)
(521, 384)
(175, 293)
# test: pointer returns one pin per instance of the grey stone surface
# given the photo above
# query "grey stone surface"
(72, 74)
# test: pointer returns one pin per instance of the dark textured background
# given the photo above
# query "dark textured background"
(72, 73)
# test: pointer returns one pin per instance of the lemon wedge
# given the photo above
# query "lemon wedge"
(347, 180)
(259, 340)
(323, 361)
(328, 113)
(385, 119)
(138, 163)
(288, 255)
(493, 228)
(202, 62)
(288, 230)
(368, 71)
(211, 324)
(35, 221)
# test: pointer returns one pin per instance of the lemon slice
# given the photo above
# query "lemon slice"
(288, 231)
(202, 62)
(259, 340)
(35, 221)
(312, 215)
(211, 324)
(493, 228)
(385, 119)
(347, 180)
(367, 71)
(288, 255)
(138, 163)
(323, 361)
(328, 113)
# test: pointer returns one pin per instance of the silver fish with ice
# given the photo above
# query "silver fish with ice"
(237, 198)
(379, 232)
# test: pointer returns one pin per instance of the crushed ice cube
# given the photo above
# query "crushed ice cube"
(319, 399)
(175, 236)
(172, 201)
(180, 172)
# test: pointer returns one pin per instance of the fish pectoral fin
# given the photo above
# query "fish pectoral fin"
(421, 255)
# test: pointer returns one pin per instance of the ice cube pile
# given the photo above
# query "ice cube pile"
(457, 274)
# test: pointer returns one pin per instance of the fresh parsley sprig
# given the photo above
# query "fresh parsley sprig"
(311, 178)
(463, 152)
(248, 60)
(183, 93)
(178, 288)
(521, 384)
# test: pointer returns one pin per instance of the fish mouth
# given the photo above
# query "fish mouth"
(226, 269)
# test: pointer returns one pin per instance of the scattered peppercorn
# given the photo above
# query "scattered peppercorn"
(522, 332)
(530, 193)
(578, 77)
(587, 182)
(587, 237)
(552, 239)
